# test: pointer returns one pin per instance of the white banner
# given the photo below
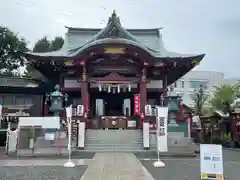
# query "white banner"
(162, 122)
(81, 135)
(69, 112)
(146, 129)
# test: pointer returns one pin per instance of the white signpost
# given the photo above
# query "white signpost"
(211, 162)
(69, 120)
(161, 133)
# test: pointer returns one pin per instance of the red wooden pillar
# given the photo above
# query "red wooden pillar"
(85, 96)
(45, 108)
(143, 95)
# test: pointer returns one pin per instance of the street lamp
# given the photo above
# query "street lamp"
(69, 121)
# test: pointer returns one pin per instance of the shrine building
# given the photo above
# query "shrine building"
(112, 72)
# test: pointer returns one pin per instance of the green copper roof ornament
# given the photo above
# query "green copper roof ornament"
(114, 18)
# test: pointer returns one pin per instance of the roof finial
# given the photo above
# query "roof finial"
(113, 17)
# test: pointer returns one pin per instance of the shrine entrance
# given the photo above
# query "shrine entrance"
(112, 104)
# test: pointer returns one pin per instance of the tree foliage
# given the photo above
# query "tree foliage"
(223, 97)
(56, 44)
(10, 46)
(199, 98)
(45, 45)
(42, 45)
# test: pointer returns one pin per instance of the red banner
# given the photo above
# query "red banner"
(137, 104)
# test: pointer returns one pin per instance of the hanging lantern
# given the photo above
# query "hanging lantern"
(118, 89)
(129, 87)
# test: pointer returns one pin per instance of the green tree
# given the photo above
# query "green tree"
(42, 45)
(10, 47)
(45, 45)
(199, 98)
(223, 97)
(56, 44)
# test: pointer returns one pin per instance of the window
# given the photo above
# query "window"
(20, 100)
(23, 100)
(197, 84)
(175, 84)
(8, 100)
(182, 83)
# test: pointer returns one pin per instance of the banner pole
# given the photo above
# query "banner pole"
(69, 121)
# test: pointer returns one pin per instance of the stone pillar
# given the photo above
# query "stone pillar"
(85, 96)
(143, 95)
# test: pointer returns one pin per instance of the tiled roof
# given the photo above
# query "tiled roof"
(78, 39)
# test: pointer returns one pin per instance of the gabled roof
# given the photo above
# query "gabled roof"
(79, 39)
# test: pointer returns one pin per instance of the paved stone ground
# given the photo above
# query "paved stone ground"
(41, 173)
(75, 155)
(189, 168)
(38, 162)
(116, 166)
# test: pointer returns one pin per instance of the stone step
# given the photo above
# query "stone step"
(114, 140)
(113, 144)
(104, 138)
(114, 131)
(113, 150)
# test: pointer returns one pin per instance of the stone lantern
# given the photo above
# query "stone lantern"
(174, 101)
(56, 100)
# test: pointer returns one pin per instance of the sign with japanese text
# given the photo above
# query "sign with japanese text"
(211, 161)
(137, 104)
(162, 120)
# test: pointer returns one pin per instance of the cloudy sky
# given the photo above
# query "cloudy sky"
(190, 26)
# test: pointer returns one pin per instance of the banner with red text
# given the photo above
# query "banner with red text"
(137, 104)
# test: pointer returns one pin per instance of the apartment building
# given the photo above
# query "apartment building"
(208, 79)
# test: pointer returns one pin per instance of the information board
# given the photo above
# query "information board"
(49, 136)
(211, 161)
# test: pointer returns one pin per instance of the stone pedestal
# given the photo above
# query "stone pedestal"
(181, 128)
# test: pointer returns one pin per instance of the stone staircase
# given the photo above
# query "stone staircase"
(114, 140)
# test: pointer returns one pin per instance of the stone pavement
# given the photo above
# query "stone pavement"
(115, 166)
(38, 162)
